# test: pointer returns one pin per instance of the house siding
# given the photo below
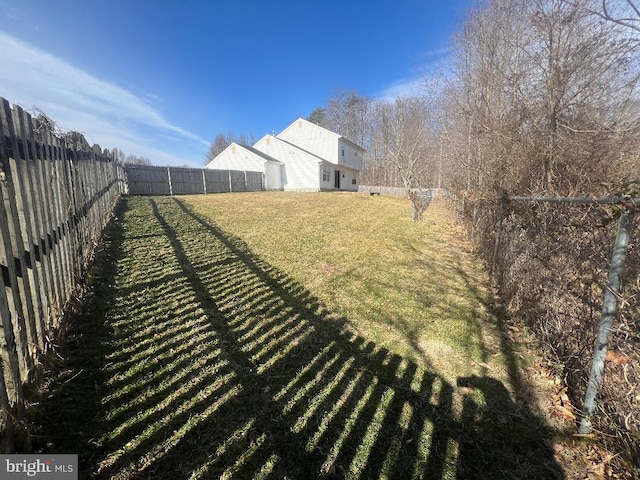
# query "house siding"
(294, 159)
(301, 168)
(237, 157)
(312, 138)
(346, 177)
(323, 143)
(352, 157)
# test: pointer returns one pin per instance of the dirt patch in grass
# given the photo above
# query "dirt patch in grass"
(292, 336)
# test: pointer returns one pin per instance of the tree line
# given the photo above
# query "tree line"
(538, 96)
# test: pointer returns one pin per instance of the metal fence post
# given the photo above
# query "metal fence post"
(609, 307)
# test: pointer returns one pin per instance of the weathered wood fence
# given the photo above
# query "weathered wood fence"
(151, 180)
(399, 191)
(55, 202)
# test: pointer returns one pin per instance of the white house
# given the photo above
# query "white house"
(304, 156)
(242, 157)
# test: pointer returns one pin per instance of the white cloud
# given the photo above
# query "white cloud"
(106, 113)
(431, 62)
(402, 88)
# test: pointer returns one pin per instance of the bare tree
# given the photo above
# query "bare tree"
(136, 160)
(626, 14)
(118, 155)
(347, 113)
(542, 97)
(405, 138)
(222, 141)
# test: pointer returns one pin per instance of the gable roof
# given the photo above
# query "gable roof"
(299, 148)
(293, 146)
(323, 130)
(252, 150)
(268, 158)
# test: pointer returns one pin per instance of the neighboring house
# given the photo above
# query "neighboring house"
(304, 156)
(242, 157)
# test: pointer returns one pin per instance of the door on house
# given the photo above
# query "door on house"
(337, 181)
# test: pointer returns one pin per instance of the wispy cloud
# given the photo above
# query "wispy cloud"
(11, 11)
(414, 83)
(402, 88)
(105, 112)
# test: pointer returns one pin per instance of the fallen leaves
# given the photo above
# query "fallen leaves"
(561, 403)
(616, 358)
(599, 464)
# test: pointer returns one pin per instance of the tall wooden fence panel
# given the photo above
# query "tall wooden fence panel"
(144, 180)
(186, 181)
(152, 180)
(55, 202)
(254, 181)
(217, 181)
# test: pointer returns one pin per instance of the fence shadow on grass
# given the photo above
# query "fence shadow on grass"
(207, 362)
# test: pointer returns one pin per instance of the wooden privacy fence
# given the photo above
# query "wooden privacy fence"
(151, 180)
(55, 203)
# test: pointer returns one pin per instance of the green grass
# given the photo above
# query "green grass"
(410, 287)
(282, 335)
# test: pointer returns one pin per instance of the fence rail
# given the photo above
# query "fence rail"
(55, 203)
(151, 180)
(399, 191)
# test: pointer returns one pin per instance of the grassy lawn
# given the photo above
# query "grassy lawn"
(283, 335)
(410, 287)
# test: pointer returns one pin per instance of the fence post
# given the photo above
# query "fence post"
(230, 184)
(503, 213)
(204, 183)
(609, 307)
(496, 248)
(169, 177)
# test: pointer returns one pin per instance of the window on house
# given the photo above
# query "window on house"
(343, 152)
(353, 181)
(326, 174)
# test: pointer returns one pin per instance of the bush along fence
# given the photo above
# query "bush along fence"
(57, 195)
(151, 180)
(568, 265)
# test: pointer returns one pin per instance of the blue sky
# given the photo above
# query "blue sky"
(161, 78)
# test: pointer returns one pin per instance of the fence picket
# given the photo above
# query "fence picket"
(34, 268)
(54, 204)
